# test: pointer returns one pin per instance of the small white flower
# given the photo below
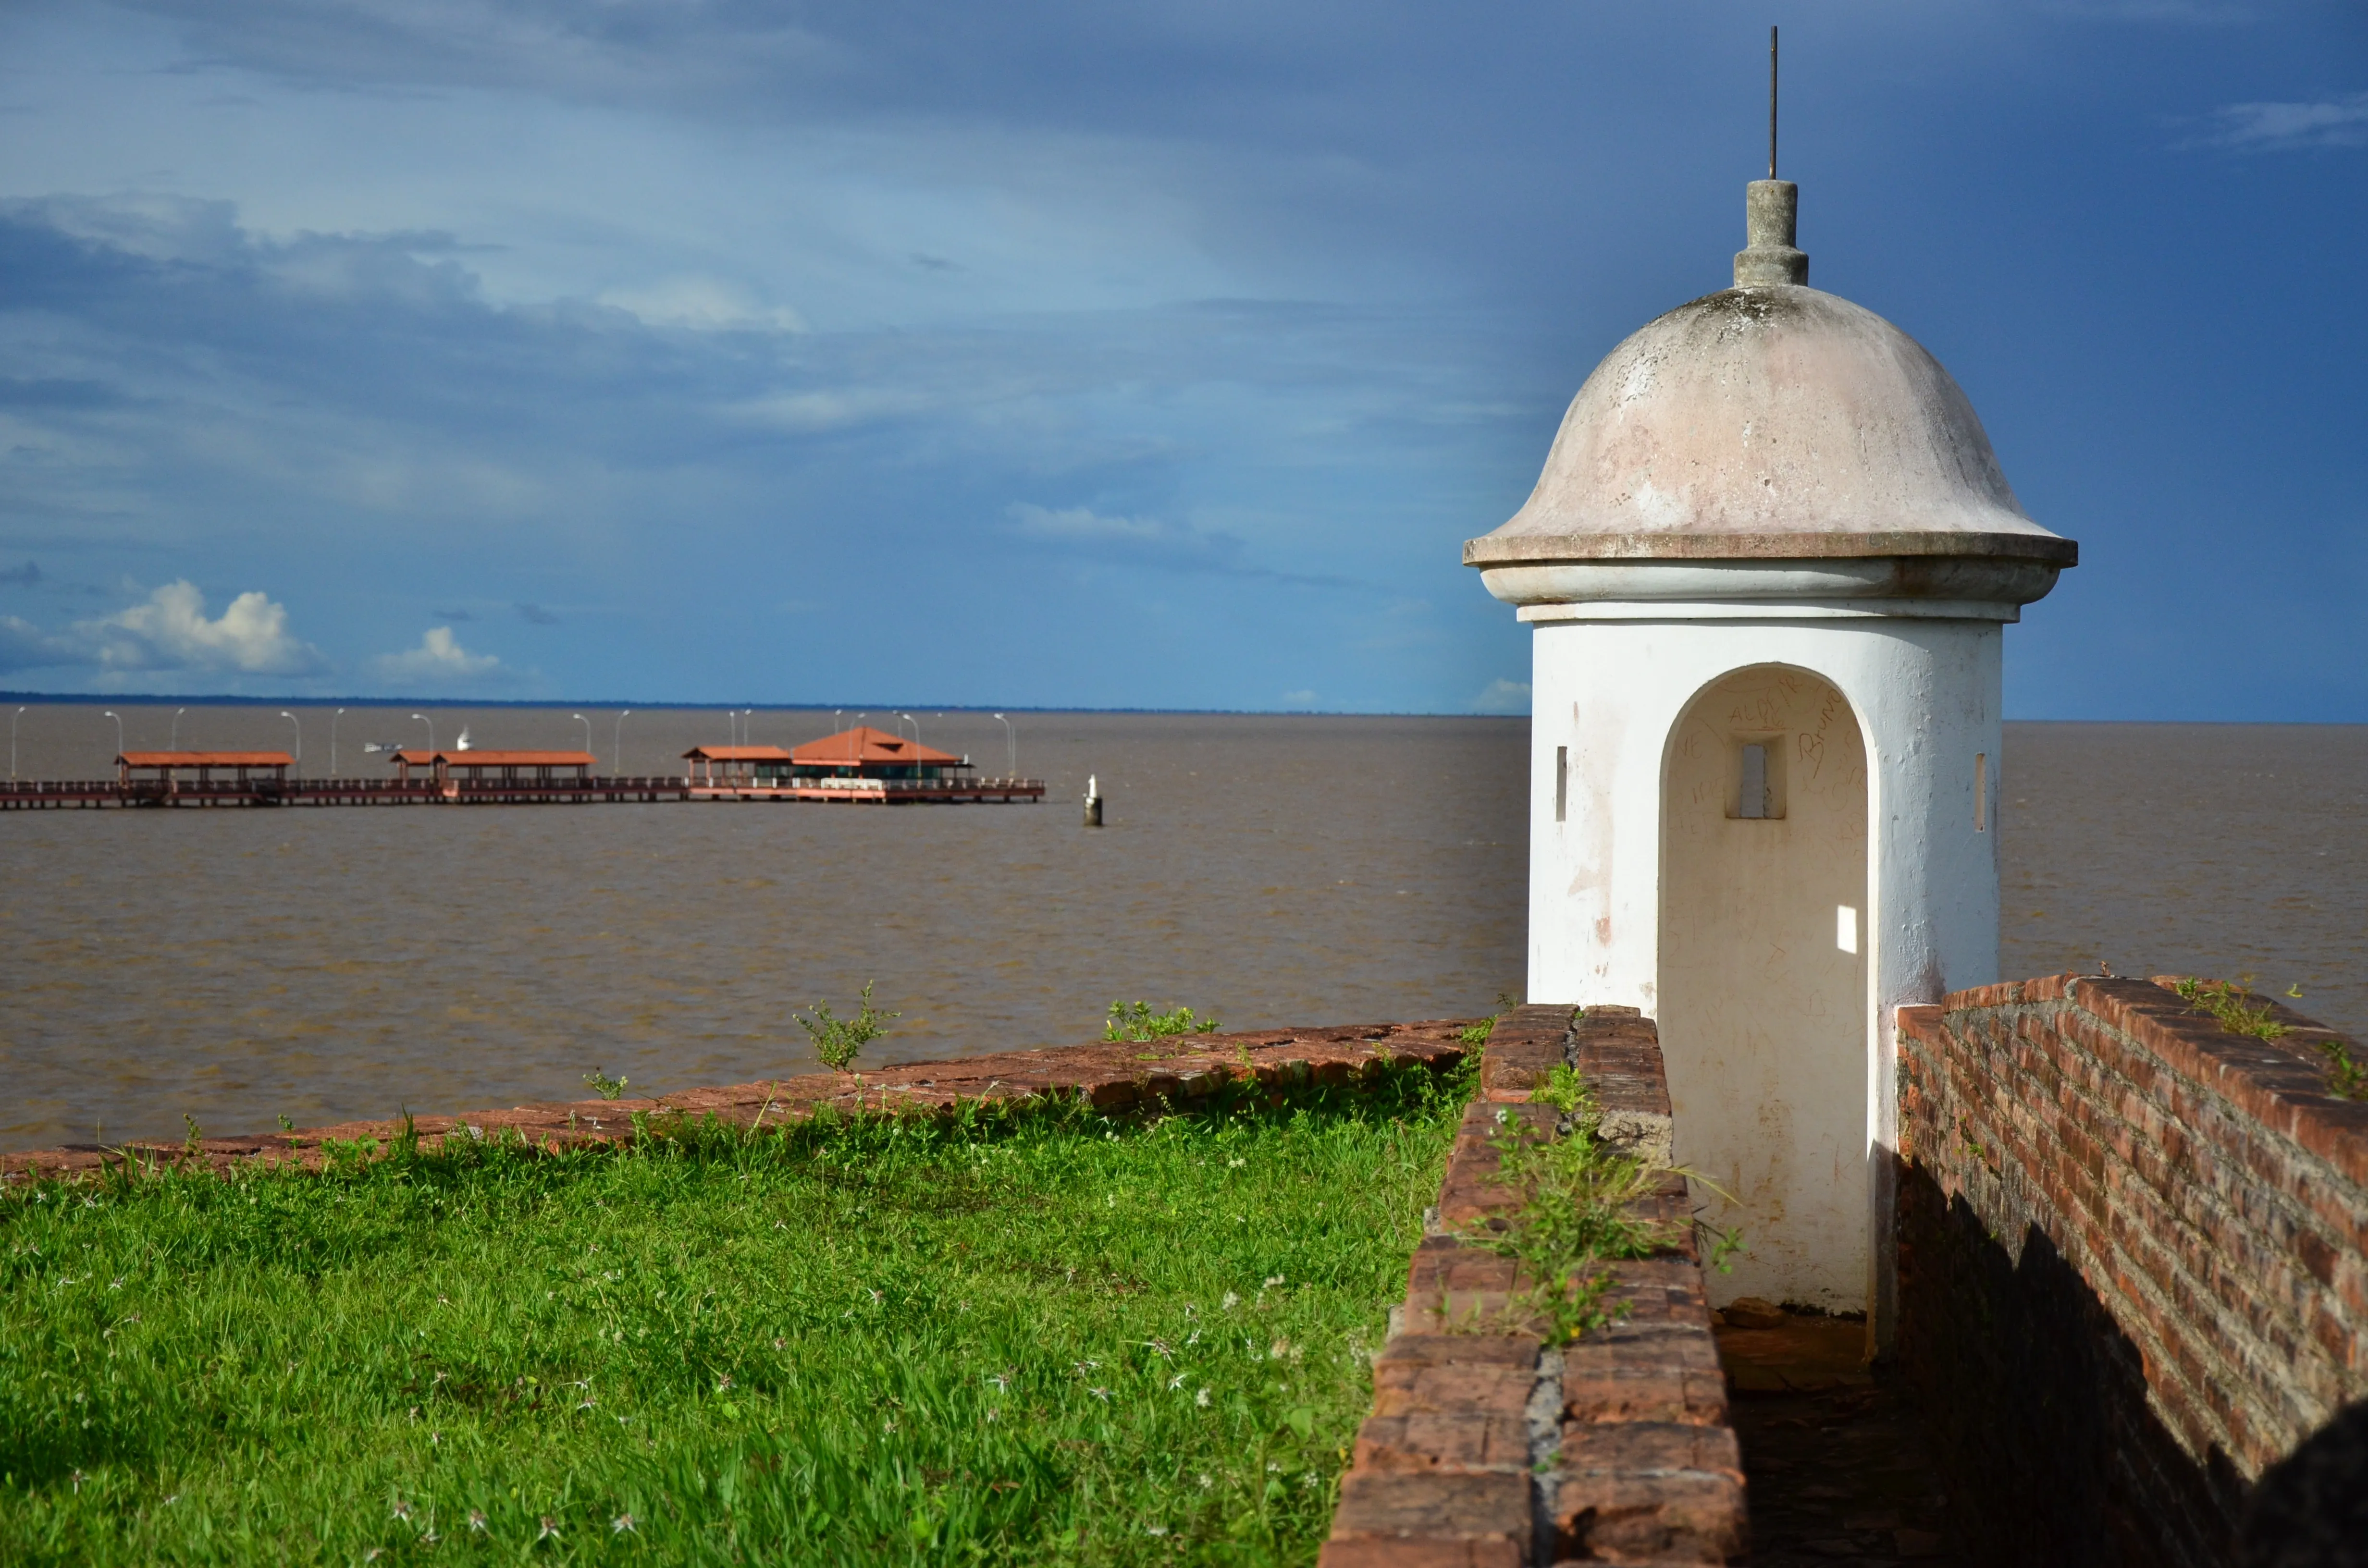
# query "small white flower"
(621, 1524)
(1271, 1281)
(1231, 1301)
(1102, 1395)
(476, 1521)
(1202, 1399)
(1206, 1482)
(402, 1509)
(1236, 1164)
(1155, 1529)
(550, 1528)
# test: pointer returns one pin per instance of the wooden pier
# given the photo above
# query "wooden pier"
(56, 794)
(869, 769)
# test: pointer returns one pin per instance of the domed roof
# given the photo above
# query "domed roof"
(1770, 422)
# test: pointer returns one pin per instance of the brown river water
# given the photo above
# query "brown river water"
(329, 963)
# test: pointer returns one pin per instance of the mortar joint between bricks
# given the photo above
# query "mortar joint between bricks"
(1543, 1415)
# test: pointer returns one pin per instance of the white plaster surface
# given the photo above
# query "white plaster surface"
(1924, 696)
(1771, 411)
(1769, 517)
(1762, 989)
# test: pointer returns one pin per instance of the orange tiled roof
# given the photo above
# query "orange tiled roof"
(206, 759)
(865, 744)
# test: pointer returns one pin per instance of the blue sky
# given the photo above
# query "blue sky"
(1110, 354)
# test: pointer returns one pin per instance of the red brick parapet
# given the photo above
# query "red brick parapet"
(2133, 1252)
(1487, 1448)
(1111, 1077)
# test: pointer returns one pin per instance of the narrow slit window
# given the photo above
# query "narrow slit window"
(1751, 800)
(1845, 927)
(1981, 791)
(1561, 783)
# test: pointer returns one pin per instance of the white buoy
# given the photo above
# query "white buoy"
(1093, 802)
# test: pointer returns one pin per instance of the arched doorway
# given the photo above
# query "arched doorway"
(1762, 990)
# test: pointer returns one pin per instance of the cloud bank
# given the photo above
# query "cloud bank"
(439, 660)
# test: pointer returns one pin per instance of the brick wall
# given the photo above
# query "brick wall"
(1490, 1449)
(2132, 1263)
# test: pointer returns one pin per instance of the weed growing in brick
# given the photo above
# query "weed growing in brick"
(1572, 1218)
(1477, 1034)
(1135, 1022)
(838, 1040)
(1032, 1335)
(2230, 1004)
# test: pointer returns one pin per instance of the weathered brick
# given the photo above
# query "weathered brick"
(1368, 1551)
(2202, 1200)
(1444, 1441)
(1649, 1491)
(1469, 1505)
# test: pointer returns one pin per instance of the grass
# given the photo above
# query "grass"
(1136, 1023)
(2233, 1006)
(1029, 1336)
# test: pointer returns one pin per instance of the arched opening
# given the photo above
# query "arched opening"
(1761, 992)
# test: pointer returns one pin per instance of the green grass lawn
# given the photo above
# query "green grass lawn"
(1041, 1337)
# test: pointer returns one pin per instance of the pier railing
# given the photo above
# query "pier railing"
(35, 793)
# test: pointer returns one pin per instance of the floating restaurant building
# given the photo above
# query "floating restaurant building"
(862, 765)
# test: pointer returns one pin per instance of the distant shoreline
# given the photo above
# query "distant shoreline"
(208, 699)
(638, 705)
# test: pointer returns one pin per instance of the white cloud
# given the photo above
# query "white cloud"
(2336, 122)
(171, 633)
(439, 657)
(1079, 524)
(1503, 696)
(702, 305)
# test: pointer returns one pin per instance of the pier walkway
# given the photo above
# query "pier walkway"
(50, 794)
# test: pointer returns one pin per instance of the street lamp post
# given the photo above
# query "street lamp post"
(1011, 742)
(431, 737)
(112, 713)
(174, 743)
(12, 741)
(333, 741)
(617, 743)
(587, 730)
(917, 730)
(300, 739)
